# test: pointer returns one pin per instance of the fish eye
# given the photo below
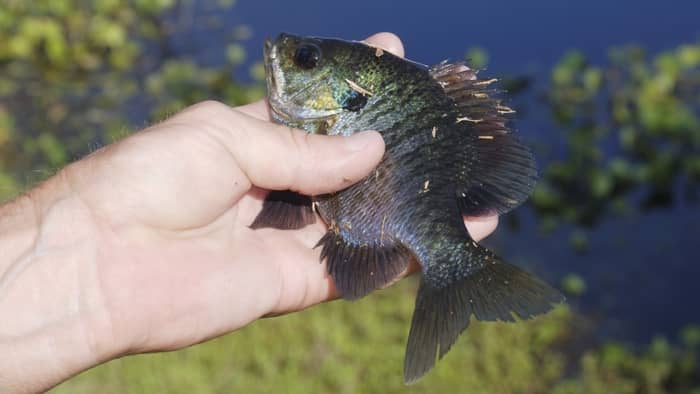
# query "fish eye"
(307, 56)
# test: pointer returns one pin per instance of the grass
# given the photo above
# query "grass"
(357, 347)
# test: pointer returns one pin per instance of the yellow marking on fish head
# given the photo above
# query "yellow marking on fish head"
(322, 99)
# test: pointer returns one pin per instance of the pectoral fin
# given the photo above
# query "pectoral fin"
(285, 210)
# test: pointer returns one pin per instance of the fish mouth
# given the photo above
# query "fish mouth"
(273, 95)
(273, 92)
(283, 111)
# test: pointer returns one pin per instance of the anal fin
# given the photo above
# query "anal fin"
(285, 210)
(360, 268)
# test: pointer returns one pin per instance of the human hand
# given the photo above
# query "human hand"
(163, 216)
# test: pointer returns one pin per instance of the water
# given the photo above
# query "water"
(641, 271)
(518, 35)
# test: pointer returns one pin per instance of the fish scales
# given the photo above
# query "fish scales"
(448, 153)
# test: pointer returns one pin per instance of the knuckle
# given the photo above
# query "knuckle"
(211, 106)
(303, 158)
(207, 112)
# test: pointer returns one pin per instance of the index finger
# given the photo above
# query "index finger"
(389, 42)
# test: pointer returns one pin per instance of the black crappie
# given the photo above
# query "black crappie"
(448, 153)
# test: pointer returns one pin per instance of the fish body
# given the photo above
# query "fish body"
(448, 154)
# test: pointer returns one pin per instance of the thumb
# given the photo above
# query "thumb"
(282, 158)
(277, 157)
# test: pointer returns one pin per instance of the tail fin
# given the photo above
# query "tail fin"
(496, 291)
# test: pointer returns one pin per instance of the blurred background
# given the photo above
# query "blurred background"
(607, 94)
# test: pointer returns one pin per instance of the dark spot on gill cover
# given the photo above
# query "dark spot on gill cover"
(355, 101)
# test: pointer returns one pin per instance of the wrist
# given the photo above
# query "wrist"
(18, 230)
(49, 301)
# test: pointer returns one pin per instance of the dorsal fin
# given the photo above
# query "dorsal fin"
(474, 98)
(501, 172)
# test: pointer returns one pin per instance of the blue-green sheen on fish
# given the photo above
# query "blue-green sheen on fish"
(448, 154)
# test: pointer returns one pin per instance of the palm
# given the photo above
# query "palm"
(189, 245)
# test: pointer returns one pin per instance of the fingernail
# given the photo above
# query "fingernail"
(359, 141)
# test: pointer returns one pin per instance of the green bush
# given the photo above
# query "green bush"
(71, 71)
(358, 347)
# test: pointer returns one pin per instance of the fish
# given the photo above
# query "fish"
(448, 154)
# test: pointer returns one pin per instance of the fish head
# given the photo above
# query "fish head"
(310, 80)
